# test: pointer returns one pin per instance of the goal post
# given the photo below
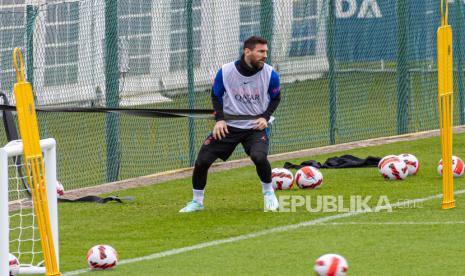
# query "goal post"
(19, 234)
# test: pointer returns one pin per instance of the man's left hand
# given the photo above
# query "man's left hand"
(261, 124)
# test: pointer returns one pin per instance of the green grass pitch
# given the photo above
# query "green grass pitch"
(421, 240)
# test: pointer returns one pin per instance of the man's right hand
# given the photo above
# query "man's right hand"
(220, 130)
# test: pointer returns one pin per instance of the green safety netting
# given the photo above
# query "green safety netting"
(350, 70)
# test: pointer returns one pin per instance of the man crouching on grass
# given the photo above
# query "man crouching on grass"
(247, 87)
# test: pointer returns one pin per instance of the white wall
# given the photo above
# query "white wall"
(220, 36)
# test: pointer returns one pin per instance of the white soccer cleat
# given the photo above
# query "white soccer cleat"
(270, 201)
(192, 206)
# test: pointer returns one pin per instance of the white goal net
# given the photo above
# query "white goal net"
(19, 233)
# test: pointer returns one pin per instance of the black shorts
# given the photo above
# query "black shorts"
(251, 140)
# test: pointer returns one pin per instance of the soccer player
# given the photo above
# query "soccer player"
(248, 87)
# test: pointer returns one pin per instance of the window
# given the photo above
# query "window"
(178, 36)
(61, 43)
(249, 20)
(304, 28)
(135, 31)
(12, 34)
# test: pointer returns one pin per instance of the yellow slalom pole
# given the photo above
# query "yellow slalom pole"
(35, 169)
(445, 98)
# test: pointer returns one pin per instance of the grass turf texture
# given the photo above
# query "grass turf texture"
(234, 206)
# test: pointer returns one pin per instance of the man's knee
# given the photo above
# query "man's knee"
(258, 157)
(204, 161)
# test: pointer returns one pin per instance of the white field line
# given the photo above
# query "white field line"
(261, 233)
(391, 223)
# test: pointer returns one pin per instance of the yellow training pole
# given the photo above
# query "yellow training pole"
(445, 97)
(35, 168)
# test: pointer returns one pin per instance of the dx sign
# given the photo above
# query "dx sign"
(349, 8)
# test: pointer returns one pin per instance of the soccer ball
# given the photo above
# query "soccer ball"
(331, 264)
(386, 159)
(412, 163)
(14, 264)
(457, 166)
(394, 169)
(60, 189)
(102, 257)
(282, 179)
(308, 178)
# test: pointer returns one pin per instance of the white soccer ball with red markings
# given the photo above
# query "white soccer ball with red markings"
(60, 189)
(308, 177)
(331, 265)
(412, 163)
(394, 169)
(14, 264)
(386, 159)
(102, 257)
(458, 166)
(282, 179)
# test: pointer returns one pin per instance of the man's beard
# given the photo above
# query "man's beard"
(257, 65)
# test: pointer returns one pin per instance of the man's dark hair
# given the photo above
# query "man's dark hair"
(252, 41)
